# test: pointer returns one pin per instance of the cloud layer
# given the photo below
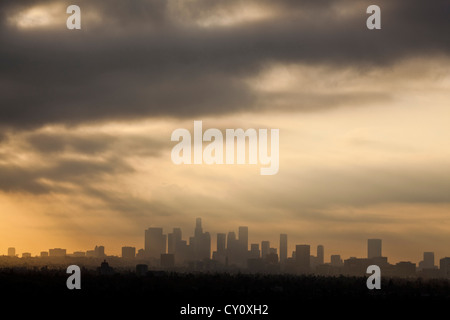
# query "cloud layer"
(156, 58)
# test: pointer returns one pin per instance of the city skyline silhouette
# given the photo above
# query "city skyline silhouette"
(234, 252)
(87, 116)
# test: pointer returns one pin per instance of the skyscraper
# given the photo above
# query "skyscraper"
(254, 251)
(198, 227)
(220, 253)
(201, 242)
(320, 254)
(428, 260)
(243, 238)
(232, 248)
(177, 236)
(221, 241)
(242, 254)
(374, 248)
(174, 241)
(155, 243)
(265, 247)
(170, 243)
(444, 267)
(283, 247)
(302, 257)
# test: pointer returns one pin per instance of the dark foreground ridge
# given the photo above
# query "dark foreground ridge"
(169, 292)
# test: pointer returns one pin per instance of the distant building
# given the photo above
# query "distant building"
(140, 254)
(265, 247)
(155, 242)
(255, 265)
(313, 262)
(99, 252)
(171, 243)
(336, 260)
(90, 253)
(302, 257)
(44, 254)
(428, 261)
(243, 237)
(128, 252)
(105, 269)
(11, 252)
(405, 269)
(201, 242)
(283, 247)
(232, 249)
(220, 253)
(79, 254)
(272, 257)
(374, 248)
(254, 251)
(221, 243)
(242, 253)
(167, 260)
(57, 252)
(356, 266)
(320, 254)
(444, 267)
(26, 255)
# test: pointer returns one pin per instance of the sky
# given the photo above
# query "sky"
(86, 118)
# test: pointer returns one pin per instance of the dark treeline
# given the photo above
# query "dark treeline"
(170, 291)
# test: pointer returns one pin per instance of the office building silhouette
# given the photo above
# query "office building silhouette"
(428, 261)
(57, 252)
(243, 237)
(201, 242)
(99, 252)
(444, 267)
(11, 252)
(128, 252)
(265, 246)
(405, 269)
(221, 243)
(336, 260)
(302, 258)
(254, 251)
(320, 255)
(155, 243)
(221, 252)
(373, 248)
(283, 247)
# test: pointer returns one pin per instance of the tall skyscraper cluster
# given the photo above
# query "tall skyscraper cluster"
(234, 252)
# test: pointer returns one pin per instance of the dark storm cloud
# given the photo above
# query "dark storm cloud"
(94, 144)
(76, 172)
(51, 143)
(144, 60)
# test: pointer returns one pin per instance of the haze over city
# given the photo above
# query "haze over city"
(86, 119)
